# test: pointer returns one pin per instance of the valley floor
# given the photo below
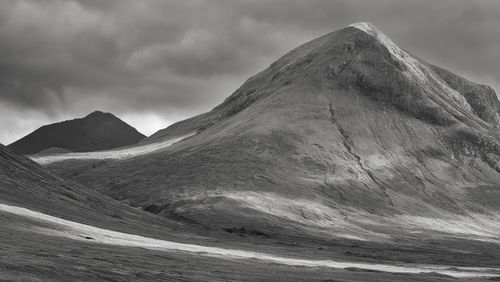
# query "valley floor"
(40, 246)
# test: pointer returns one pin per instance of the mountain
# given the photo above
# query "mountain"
(96, 131)
(347, 136)
(347, 153)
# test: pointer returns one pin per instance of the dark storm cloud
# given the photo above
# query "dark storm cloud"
(171, 59)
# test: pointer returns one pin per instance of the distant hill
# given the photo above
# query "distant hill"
(96, 131)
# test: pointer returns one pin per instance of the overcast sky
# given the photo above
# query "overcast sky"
(152, 63)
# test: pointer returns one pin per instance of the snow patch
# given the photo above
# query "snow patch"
(480, 227)
(78, 231)
(299, 210)
(116, 154)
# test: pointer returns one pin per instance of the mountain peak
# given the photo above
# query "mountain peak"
(99, 114)
(366, 27)
(96, 112)
(413, 68)
(384, 39)
(360, 57)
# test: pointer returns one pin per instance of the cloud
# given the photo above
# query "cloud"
(168, 60)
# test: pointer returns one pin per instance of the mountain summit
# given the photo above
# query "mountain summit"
(347, 135)
(96, 131)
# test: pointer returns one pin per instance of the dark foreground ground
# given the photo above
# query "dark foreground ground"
(31, 256)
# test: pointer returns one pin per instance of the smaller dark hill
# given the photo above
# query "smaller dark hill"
(96, 131)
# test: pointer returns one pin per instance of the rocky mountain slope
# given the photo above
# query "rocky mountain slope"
(346, 136)
(96, 131)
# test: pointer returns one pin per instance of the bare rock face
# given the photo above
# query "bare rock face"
(96, 131)
(342, 135)
(482, 98)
